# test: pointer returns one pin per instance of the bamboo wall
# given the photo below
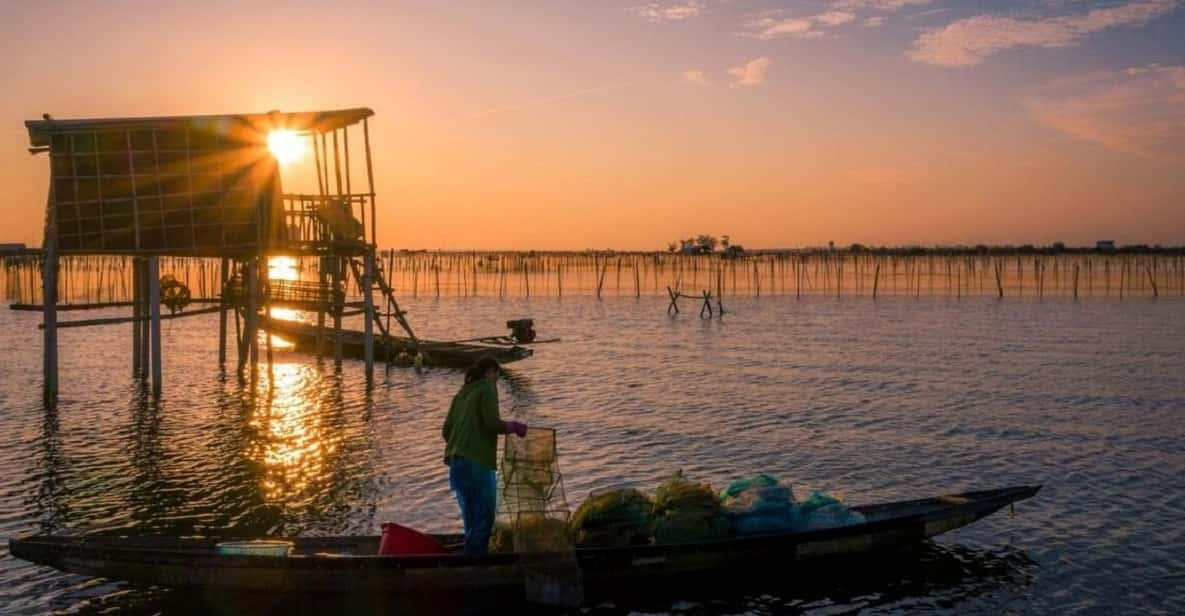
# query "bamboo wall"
(96, 279)
(446, 274)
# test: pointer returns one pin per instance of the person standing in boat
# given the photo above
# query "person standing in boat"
(471, 443)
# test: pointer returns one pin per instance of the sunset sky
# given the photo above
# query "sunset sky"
(571, 125)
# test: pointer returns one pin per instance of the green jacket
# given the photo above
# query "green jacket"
(473, 424)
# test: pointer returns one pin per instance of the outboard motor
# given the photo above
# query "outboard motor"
(522, 330)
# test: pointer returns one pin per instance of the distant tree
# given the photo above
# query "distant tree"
(1058, 247)
(725, 241)
(707, 242)
(857, 248)
(672, 246)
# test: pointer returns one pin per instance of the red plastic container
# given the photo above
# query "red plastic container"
(398, 539)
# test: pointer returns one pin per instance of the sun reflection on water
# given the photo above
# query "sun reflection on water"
(292, 447)
(282, 268)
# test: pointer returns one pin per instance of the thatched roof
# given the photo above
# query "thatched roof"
(243, 127)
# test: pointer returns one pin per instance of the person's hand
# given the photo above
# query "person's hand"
(517, 428)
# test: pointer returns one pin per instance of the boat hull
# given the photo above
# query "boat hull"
(436, 353)
(350, 564)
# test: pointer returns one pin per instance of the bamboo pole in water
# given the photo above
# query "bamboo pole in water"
(154, 322)
(224, 269)
(338, 296)
(999, 281)
(917, 287)
(1122, 276)
(138, 316)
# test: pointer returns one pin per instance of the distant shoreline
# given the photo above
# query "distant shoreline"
(979, 250)
(1140, 249)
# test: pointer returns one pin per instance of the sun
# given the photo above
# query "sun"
(286, 145)
(282, 268)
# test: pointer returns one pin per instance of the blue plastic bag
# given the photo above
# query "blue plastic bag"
(740, 485)
(760, 505)
(822, 511)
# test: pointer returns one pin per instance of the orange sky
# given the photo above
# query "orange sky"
(627, 125)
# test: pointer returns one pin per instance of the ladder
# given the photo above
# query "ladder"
(392, 308)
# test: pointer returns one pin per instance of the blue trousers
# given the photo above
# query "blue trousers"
(476, 490)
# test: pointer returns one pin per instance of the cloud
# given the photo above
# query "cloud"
(1139, 111)
(695, 77)
(929, 13)
(656, 12)
(769, 28)
(776, 24)
(772, 25)
(834, 18)
(969, 41)
(878, 5)
(751, 73)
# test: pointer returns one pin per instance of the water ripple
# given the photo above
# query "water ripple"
(874, 401)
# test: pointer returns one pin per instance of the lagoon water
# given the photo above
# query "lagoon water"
(874, 401)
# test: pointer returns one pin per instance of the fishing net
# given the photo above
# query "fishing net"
(686, 512)
(533, 515)
(613, 517)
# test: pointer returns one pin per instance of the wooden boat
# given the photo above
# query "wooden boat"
(436, 353)
(343, 565)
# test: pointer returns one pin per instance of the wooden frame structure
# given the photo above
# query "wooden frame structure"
(208, 186)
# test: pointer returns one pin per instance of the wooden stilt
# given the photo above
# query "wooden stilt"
(251, 318)
(321, 307)
(145, 326)
(337, 310)
(265, 287)
(222, 311)
(154, 312)
(368, 310)
(138, 315)
(240, 338)
(49, 299)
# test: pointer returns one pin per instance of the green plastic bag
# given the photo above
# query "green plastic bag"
(741, 485)
(815, 501)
